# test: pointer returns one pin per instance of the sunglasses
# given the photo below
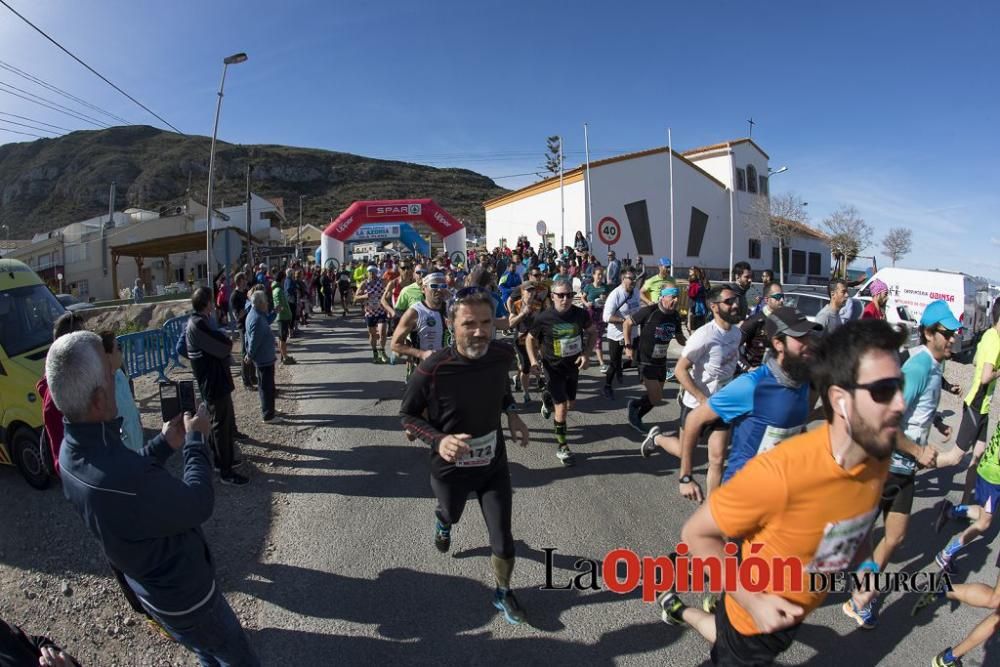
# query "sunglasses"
(777, 297)
(563, 295)
(438, 286)
(731, 301)
(881, 391)
(947, 334)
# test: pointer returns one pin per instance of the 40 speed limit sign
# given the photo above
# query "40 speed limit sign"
(609, 231)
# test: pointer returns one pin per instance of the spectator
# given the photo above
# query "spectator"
(280, 306)
(53, 420)
(829, 316)
(742, 280)
(147, 521)
(260, 351)
(614, 269)
(580, 243)
(128, 412)
(18, 648)
(698, 287)
(137, 291)
(238, 302)
(291, 291)
(875, 309)
(209, 350)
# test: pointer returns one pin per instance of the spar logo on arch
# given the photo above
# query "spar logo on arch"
(392, 210)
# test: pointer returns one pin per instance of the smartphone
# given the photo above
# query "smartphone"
(185, 394)
(170, 405)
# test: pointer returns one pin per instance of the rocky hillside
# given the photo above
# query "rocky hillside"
(49, 183)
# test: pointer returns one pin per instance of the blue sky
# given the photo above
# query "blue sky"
(892, 107)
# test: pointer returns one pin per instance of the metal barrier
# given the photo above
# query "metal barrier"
(145, 352)
(173, 329)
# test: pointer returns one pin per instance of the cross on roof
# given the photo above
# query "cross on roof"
(750, 121)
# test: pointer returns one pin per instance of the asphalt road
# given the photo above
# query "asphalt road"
(353, 576)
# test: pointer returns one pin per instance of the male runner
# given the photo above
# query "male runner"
(371, 291)
(594, 296)
(659, 324)
(344, 287)
(533, 300)
(829, 315)
(742, 281)
(755, 341)
(922, 374)
(422, 328)
(875, 309)
(813, 497)
(708, 363)
(622, 302)
(649, 294)
(764, 407)
(462, 390)
(566, 336)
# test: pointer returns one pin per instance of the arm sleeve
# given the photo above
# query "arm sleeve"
(158, 449)
(735, 399)
(750, 499)
(414, 406)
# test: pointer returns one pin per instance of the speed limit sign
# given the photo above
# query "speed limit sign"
(609, 231)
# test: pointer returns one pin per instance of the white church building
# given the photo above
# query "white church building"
(716, 191)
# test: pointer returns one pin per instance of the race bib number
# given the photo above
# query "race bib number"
(481, 451)
(773, 435)
(567, 347)
(840, 542)
(660, 350)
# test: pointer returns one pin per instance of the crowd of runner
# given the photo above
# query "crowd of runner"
(476, 334)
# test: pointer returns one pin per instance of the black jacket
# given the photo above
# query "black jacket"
(209, 350)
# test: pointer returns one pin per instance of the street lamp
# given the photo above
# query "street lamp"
(234, 59)
(781, 249)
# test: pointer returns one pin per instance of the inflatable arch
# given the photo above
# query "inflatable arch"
(396, 210)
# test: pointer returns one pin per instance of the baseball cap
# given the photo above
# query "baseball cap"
(938, 312)
(664, 261)
(790, 322)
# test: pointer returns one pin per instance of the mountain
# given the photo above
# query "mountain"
(49, 183)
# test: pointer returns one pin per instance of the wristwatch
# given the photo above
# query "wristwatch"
(686, 479)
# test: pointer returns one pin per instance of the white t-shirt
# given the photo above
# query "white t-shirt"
(713, 354)
(620, 303)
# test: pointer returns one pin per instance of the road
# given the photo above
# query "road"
(351, 575)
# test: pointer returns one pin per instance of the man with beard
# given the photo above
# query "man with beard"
(707, 363)
(764, 407)
(923, 375)
(813, 498)
(565, 334)
(453, 403)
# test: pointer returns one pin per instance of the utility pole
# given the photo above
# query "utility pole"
(110, 223)
(249, 234)
(301, 197)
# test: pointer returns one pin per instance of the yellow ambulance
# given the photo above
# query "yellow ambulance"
(28, 309)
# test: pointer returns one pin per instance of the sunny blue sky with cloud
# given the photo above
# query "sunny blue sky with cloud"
(891, 107)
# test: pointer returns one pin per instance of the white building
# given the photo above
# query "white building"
(714, 192)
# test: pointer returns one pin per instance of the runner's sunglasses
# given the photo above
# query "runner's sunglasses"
(563, 295)
(881, 391)
(438, 286)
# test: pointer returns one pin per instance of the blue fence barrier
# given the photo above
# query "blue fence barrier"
(173, 329)
(145, 352)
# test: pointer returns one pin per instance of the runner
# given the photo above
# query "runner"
(422, 328)
(875, 309)
(764, 407)
(566, 336)
(755, 341)
(344, 288)
(922, 392)
(622, 302)
(707, 363)
(463, 389)
(829, 315)
(976, 408)
(813, 497)
(742, 282)
(371, 291)
(659, 324)
(649, 294)
(534, 299)
(594, 296)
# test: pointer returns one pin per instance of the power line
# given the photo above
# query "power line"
(94, 71)
(38, 122)
(45, 84)
(30, 127)
(45, 99)
(72, 114)
(27, 134)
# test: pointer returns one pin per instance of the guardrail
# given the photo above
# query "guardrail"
(145, 352)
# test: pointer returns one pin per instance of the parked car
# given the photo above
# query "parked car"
(71, 303)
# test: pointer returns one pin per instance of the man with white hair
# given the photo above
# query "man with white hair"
(260, 351)
(147, 521)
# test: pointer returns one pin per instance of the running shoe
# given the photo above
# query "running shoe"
(526, 398)
(607, 392)
(517, 382)
(288, 361)
(648, 446)
(383, 359)
(866, 617)
(940, 661)
(671, 609)
(234, 479)
(509, 607)
(604, 369)
(927, 599)
(442, 537)
(390, 357)
(943, 560)
(671, 376)
(944, 508)
(709, 602)
(565, 456)
(547, 406)
(634, 420)
(375, 358)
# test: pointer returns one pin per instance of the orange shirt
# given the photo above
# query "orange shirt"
(799, 503)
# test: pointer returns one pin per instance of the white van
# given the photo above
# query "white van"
(915, 289)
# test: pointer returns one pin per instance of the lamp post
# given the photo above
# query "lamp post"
(234, 59)
(781, 249)
(299, 253)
